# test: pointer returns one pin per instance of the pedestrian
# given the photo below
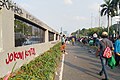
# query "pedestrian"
(91, 42)
(73, 41)
(94, 38)
(63, 43)
(117, 50)
(101, 47)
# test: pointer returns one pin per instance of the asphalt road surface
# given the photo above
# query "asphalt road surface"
(80, 63)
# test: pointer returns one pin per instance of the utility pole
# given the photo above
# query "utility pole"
(91, 20)
(99, 17)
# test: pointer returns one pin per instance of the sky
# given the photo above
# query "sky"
(70, 15)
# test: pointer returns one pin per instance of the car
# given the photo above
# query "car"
(27, 42)
(33, 40)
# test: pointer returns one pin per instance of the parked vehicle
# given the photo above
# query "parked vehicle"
(27, 42)
(33, 40)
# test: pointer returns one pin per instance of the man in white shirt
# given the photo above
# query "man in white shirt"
(94, 38)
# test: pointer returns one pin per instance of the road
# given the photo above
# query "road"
(81, 64)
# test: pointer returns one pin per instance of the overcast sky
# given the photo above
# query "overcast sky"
(71, 15)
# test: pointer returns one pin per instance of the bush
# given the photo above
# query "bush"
(41, 68)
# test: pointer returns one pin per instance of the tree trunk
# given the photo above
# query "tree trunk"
(108, 24)
(111, 20)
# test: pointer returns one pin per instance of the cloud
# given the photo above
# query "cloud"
(68, 1)
(94, 7)
(79, 18)
(24, 5)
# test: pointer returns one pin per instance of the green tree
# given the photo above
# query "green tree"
(98, 30)
(21, 27)
(115, 3)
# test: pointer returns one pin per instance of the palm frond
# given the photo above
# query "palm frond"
(112, 13)
(107, 2)
(107, 12)
(103, 5)
(103, 11)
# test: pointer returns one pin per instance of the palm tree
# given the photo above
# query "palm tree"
(107, 9)
(115, 2)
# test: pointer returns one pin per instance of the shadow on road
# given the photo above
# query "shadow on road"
(88, 59)
(88, 72)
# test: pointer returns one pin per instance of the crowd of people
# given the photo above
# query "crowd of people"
(101, 43)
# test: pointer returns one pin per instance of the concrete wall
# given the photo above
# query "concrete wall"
(1, 45)
(6, 67)
(7, 29)
(9, 54)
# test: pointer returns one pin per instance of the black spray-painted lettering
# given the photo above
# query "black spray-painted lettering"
(9, 5)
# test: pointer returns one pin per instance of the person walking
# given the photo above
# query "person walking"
(63, 43)
(117, 50)
(101, 47)
(95, 38)
(73, 41)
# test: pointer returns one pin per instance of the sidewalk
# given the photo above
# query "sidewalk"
(80, 64)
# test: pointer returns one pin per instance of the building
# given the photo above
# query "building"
(22, 36)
